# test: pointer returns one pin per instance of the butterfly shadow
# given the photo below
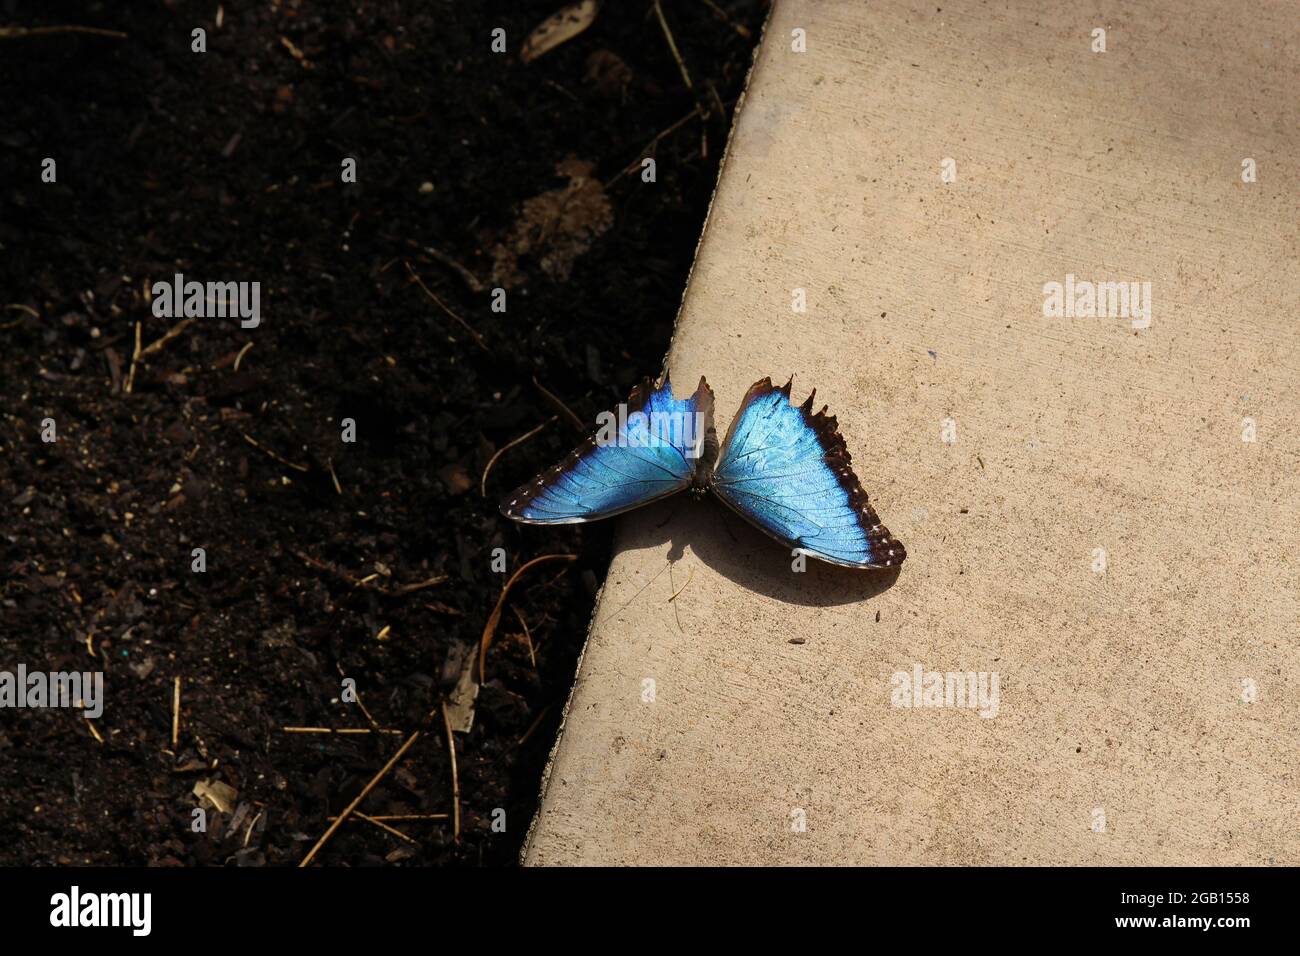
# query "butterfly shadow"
(743, 554)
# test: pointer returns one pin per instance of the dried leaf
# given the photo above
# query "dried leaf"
(559, 28)
(607, 74)
(218, 794)
(556, 227)
(455, 478)
(460, 704)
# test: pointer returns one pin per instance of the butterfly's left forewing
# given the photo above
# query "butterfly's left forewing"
(788, 471)
(647, 451)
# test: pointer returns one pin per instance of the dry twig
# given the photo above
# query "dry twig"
(11, 33)
(282, 460)
(176, 712)
(455, 777)
(482, 484)
(672, 45)
(366, 582)
(338, 730)
(135, 357)
(171, 333)
(365, 791)
(490, 628)
(555, 400)
(478, 339)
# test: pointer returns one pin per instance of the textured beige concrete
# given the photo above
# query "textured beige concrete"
(1124, 732)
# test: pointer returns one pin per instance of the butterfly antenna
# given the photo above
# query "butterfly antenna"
(672, 584)
(639, 592)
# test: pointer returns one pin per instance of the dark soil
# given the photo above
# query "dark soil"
(225, 166)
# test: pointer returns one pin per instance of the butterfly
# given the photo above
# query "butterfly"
(781, 468)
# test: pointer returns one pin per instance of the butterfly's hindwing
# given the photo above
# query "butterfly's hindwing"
(634, 463)
(787, 471)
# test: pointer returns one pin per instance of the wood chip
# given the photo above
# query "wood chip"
(559, 28)
(217, 794)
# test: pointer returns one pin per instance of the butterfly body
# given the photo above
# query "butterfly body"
(781, 467)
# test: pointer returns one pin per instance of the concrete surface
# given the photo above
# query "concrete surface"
(1148, 710)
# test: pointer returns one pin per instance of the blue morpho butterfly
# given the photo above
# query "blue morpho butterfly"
(781, 467)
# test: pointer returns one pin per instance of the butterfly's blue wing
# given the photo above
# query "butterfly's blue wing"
(788, 471)
(648, 452)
